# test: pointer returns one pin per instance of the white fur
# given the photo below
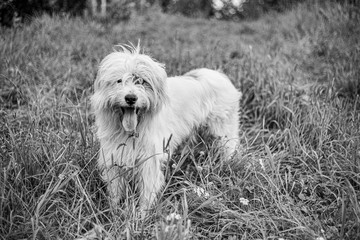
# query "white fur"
(174, 106)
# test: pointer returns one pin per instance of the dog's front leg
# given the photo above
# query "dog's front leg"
(114, 183)
(152, 181)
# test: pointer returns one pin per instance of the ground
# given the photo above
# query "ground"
(297, 175)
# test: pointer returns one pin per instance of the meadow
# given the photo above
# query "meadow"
(298, 172)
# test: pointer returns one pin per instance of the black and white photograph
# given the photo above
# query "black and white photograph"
(179, 119)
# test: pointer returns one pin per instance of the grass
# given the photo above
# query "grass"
(298, 176)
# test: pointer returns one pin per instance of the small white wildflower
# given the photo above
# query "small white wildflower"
(201, 192)
(244, 201)
(173, 216)
(281, 239)
(319, 238)
(202, 153)
(199, 168)
(62, 176)
(261, 161)
(174, 165)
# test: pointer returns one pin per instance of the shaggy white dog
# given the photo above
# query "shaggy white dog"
(138, 110)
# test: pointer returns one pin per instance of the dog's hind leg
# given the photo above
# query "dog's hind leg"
(227, 129)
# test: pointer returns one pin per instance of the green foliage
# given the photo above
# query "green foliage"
(296, 177)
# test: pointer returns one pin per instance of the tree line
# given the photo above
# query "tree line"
(12, 11)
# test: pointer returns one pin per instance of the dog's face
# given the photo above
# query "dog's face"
(130, 85)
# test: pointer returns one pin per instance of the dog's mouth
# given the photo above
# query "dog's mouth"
(130, 119)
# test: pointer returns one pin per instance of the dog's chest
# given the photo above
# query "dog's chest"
(130, 152)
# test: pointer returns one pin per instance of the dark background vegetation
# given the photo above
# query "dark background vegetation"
(19, 10)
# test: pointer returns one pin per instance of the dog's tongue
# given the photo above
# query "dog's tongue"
(129, 121)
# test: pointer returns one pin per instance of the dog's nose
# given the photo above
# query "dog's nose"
(130, 99)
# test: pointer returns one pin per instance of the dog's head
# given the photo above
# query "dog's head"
(129, 84)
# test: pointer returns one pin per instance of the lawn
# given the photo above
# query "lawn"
(298, 173)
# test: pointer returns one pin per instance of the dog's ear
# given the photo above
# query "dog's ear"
(156, 75)
(96, 82)
(161, 89)
(110, 68)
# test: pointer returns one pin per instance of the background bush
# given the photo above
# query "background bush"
(12, 11)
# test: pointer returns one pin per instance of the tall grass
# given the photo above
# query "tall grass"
(298, 174)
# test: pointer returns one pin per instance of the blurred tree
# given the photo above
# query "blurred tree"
(20, 10)
(164, 4)
(190, 8)
(252, 9)
(12, 11)
(226, 9)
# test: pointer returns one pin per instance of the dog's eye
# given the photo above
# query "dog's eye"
(138, 80)
(119, 80)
